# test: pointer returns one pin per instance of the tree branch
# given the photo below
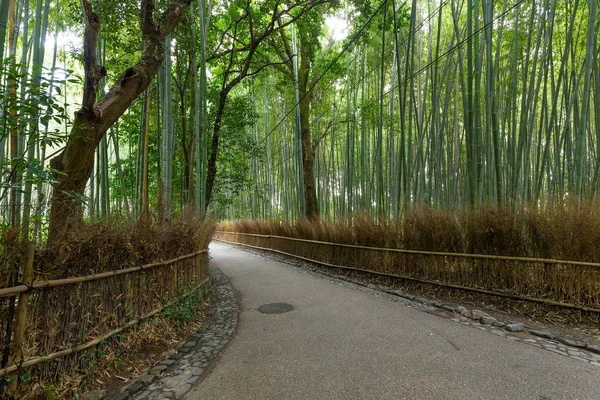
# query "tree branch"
(272, 64)
(172, 16)
(250, 24)
(285, 40)
(270, 28)
(281, 56)
(147, 24)
(134, 80)
(318, 140)
(93, 72)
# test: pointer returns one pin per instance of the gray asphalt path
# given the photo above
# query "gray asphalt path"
(339, 343)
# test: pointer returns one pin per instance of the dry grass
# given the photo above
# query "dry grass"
(115, 244)
(567, 231)
(10, 252)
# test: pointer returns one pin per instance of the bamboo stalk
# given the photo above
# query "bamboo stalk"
(145, 203)
(15, 290)
(21, 316)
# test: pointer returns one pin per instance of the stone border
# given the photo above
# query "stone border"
(577, 350)
(187, 365)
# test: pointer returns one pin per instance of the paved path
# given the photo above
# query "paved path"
(340, 343)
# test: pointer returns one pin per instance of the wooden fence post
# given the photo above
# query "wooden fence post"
(21, 318)
(175, 285)
(199, 271)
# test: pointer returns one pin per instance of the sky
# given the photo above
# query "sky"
(338, 27)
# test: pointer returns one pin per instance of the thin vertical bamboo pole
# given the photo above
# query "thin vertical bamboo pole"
(21, 318)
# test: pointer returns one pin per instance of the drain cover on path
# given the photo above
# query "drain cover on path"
(275, 308)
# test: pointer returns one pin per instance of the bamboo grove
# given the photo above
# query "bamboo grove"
(450, 104)
(258, 110)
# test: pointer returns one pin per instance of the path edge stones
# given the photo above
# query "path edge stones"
(186, 366)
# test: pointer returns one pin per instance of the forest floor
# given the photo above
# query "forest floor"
(343, 340)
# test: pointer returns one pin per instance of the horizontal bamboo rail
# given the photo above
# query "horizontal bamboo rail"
(431, 253)
(449, 285)
(15, 290)
(92, 343)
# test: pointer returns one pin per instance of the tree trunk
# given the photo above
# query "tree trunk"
(308, 160)
(241, 69)
(211, 173)
(145, 204)
(311, 203)
(75, 164)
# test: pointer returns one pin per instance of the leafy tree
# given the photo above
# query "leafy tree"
(74, 165)
(238, 32)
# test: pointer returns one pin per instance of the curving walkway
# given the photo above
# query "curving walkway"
(342, 343)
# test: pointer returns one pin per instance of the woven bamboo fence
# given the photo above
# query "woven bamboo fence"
(61, 319)
(569, 284)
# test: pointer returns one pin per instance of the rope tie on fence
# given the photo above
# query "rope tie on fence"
(29, 286)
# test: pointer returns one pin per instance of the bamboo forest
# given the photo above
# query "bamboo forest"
(309, 109)
(451, 134)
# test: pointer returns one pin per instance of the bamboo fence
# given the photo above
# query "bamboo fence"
(58, 320)
(563, 283)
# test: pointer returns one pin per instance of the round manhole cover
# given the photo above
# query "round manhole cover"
(275, 308)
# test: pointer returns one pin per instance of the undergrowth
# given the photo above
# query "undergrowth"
(108, 245)
(116, 360)
(183, 307)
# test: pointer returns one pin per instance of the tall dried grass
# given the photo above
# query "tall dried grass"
(117, 244)
(567, 231)
(10, 251)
